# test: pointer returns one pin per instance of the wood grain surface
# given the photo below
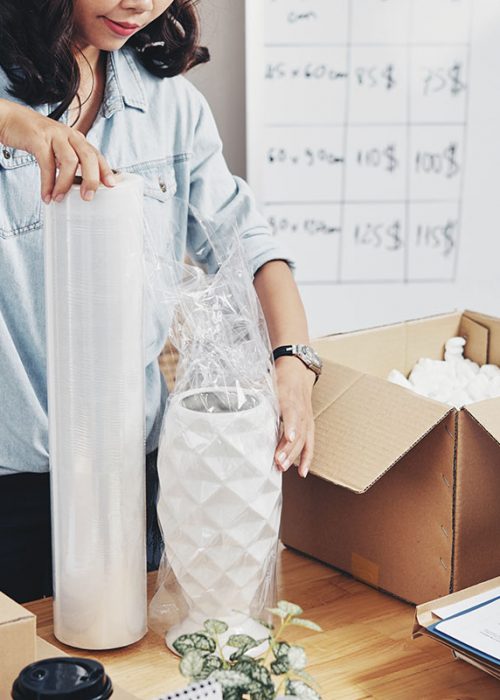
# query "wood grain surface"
(364, 653)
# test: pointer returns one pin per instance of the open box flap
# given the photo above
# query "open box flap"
(487, 413)
(364, 425)
(477, 337)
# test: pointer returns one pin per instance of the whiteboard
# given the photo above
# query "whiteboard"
(373, 144)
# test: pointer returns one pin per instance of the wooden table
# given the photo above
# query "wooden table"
(364, 653)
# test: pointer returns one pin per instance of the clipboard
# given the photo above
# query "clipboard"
(435, 630)
(425, 617)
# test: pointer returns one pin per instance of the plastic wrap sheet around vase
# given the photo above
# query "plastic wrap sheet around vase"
(220, 505)
(94, 302)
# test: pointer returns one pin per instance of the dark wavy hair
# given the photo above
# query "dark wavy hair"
(37, 48)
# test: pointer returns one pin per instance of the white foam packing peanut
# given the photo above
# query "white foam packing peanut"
(455, 380)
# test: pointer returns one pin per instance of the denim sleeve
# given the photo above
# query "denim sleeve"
(226, 202)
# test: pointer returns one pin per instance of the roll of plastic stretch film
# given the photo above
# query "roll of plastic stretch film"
(95, 368)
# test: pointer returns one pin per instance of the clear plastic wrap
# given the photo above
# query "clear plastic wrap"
(95, 365)
(219, 505)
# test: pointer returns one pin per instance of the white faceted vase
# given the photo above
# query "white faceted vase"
(220, 506)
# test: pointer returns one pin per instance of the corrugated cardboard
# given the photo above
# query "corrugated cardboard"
(403, 490)
(17, 642)
(424, 618)
(19, 646)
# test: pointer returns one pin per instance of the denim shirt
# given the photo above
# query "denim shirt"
(163, 130)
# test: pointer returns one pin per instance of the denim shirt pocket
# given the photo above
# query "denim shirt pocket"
(20, 201)
(165, 197)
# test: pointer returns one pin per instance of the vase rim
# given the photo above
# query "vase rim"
(219, 401)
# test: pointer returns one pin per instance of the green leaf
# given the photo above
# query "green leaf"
(231, 679)
(281, 665)
(289, 608)
(256, 689)
(215, 627)
(210, 664)
(278, 612)
(281, 649)
(301, 690)
(297, 658)
(233, 694)
(306, 623)
(191, 663)
(258, 642)
(255, 671)
(262, 694)
(198, 641)
(241, 640)
(264, 623)
(237, 654)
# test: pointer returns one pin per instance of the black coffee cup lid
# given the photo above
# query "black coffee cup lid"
(65, 677)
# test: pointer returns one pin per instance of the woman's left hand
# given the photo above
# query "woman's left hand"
(296, 445)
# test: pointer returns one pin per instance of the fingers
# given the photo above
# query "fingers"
(107, 176)
(291, 436)
(68, 163)
(47, 163)
(54, 145)
(71, 151)
(89, 165)
(297, 441)
(302, 447)
(296, 444)
(307, 453)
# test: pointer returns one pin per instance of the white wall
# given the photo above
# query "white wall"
(222, 81)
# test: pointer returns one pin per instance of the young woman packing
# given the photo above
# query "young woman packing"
(96, 85)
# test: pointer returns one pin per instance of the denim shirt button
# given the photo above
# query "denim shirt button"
(163, 186)
(6, 153)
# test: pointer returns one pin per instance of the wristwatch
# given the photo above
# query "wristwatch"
(305, 353)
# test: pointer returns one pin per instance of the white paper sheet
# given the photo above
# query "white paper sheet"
(479, 628)
(455, 608)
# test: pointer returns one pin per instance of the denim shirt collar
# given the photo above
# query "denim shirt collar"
(124, 86)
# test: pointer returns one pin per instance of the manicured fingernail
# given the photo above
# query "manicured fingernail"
(282, 458)
(46, 199)
(292, 435)
(59, 197)
(89, 195)
(286, 464)
(305, 473)
(110, 180)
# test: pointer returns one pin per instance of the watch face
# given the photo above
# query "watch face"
(310, 357)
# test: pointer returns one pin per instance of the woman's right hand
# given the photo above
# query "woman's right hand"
(54, 145)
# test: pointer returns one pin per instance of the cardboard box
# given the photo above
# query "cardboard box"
(424, 617)
(403, 491)
(17, 642)
(19, 646)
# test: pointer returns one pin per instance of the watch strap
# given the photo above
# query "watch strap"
(284, 350)
(294, 351)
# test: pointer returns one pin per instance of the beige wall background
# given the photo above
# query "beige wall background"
(222, 81)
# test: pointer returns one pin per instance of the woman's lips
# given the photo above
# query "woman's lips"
(120, 28)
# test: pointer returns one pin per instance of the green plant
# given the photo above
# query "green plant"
(280, 670)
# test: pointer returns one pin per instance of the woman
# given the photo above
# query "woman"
(97, 84)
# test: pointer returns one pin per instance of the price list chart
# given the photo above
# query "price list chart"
(357, 131)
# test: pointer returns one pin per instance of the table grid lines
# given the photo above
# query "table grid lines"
(388, 142)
